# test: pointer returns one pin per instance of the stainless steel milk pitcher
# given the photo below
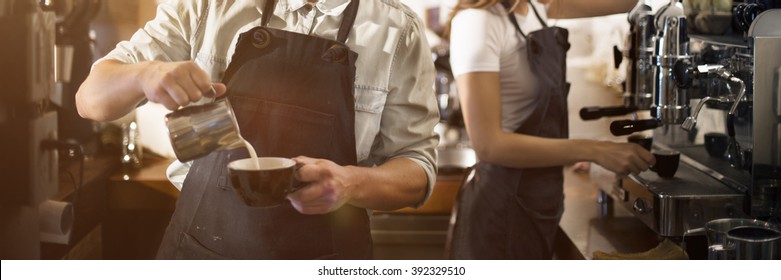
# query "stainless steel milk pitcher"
(741, 239)
(196, 131)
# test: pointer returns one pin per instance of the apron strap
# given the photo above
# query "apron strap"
(542, 22)
(344, 28)
(511, 15)
(347, 21)
(268, 11)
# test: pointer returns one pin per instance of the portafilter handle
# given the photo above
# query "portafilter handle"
(593, 113)
(626, 127)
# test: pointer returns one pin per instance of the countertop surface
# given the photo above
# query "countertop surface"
(590, 226)
(587, 225)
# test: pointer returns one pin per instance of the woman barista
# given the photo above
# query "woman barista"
(510, 72)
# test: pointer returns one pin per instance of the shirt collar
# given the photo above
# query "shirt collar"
(328, 7)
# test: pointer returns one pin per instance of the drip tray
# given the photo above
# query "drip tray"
(670, 206)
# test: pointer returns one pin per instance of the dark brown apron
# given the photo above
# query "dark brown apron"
(513, 213)
(292, 95)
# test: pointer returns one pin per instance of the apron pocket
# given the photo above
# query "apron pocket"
(280, 232)
(525, 240)
(541, 192)
(276, 232)
(298, 131)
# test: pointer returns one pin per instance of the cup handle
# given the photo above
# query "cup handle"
(296, 185)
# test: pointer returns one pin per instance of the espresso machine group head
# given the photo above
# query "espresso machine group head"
(653, 84)
(637, 52)
(670, 103)
(655, 42)
(638, 91)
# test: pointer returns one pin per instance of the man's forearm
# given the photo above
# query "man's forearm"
(395, 184)
(110, 91)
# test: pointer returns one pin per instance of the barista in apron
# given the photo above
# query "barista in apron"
(512, 207)
(292, 95)
(503, 208)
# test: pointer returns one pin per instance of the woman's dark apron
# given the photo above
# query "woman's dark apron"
(292, 95)
(512, 213)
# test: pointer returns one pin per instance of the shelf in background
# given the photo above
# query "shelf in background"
(730, 40)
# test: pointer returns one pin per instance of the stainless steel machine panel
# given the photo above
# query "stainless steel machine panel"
(765, 190)
(766, 96)
(672, 206)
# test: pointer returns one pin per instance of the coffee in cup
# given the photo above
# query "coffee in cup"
(264, 181)
(642, 140)
(666, 162)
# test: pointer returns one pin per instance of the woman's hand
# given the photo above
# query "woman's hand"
(329, 186)
(623, 158)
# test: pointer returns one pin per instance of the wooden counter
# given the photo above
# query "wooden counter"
(140, 204)
(143, 189)
(441, 199)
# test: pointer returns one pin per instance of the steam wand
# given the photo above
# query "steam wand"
(685, 73)
(734, 155)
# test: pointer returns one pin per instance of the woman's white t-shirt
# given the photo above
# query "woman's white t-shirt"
(484, 40)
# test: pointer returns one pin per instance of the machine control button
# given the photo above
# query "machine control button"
(641, 206)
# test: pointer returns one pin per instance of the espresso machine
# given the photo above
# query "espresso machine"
(732, 80)
(28, 122)
(455, 154)
(36, 63)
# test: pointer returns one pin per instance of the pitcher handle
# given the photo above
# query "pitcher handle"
(694, 231)
(690, 232)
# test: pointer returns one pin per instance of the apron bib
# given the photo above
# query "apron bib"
(513, 213)
(292, 95)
